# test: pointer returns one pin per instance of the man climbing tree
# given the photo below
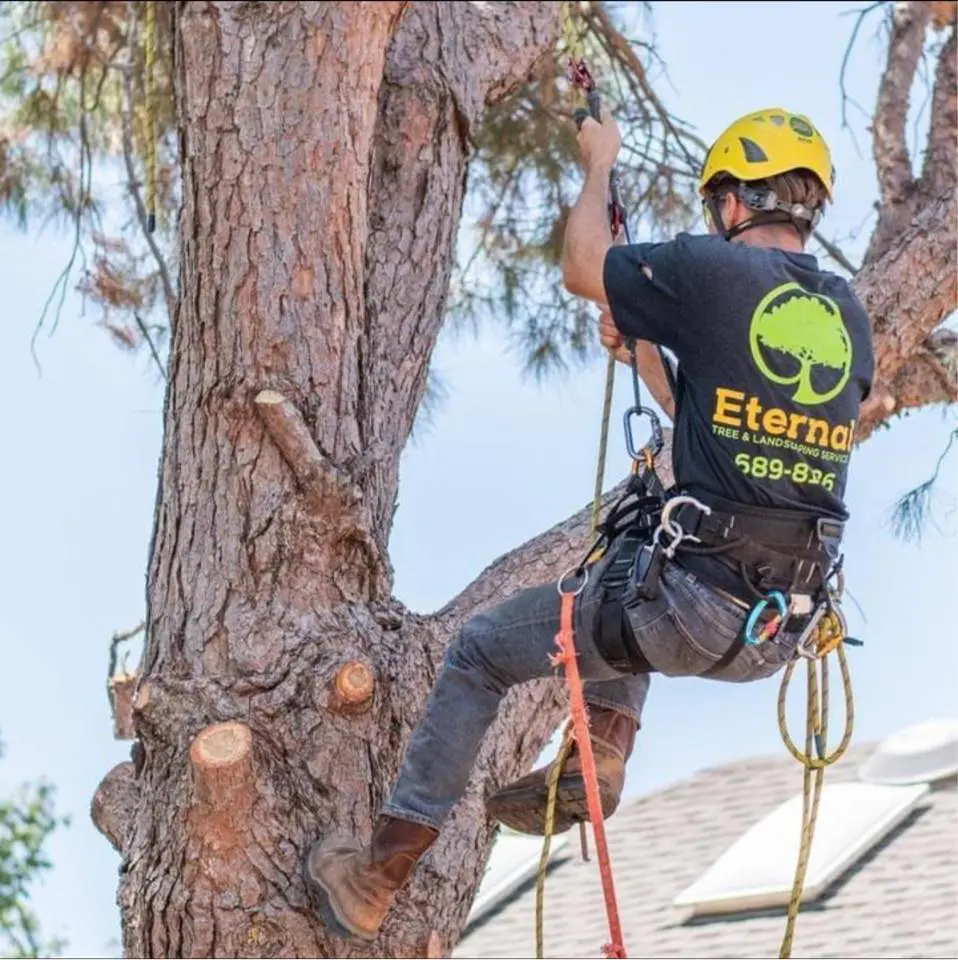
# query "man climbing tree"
(306, 165)
(756, 533)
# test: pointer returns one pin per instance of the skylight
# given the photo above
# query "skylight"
(757, 871)
(514, 861)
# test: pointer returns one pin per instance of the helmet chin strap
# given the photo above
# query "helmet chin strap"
(763, 218)
(760, 218)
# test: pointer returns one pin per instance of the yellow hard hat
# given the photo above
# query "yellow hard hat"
(768, 143)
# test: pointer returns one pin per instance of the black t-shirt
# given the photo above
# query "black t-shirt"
(775, 357)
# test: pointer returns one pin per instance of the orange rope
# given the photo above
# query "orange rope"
(580, 721)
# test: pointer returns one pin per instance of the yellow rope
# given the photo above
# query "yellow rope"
(150, 118)
(554, 774)
(828, 638)
(603, 442)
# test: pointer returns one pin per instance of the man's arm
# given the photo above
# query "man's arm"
(648, 362)
(588, 236)
(587, 241)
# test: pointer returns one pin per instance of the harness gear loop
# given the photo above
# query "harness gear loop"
(567, 658)
(825, 635)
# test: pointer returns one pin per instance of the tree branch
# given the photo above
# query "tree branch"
(444, 64)
(850, 46)
(927, 377)
(938, 172)
(618, 45)
(316, 475)
(114, 804)
(222, 761)
(539, 560)
(835, 252)
(504, 41)
(907, 293)
(133, 185)
(895, 180)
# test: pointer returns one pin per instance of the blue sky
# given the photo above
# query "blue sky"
(83, 439)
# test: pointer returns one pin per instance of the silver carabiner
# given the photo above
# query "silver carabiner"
(672, 527)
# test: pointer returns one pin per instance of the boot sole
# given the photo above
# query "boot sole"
(524, 809)
(322, 902)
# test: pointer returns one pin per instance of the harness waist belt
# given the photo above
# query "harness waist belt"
(773, 548)
(784, 530)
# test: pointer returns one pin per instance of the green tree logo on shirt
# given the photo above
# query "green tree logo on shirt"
(799, 338)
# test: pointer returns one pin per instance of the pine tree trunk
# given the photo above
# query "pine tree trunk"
(324, 156)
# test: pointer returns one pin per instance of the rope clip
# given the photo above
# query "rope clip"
(579, 75)
(825, 632)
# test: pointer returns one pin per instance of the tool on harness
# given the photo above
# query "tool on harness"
(651, 562)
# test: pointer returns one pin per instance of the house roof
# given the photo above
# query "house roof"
(898, 900)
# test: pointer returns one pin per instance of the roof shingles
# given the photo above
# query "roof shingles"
(900, 900)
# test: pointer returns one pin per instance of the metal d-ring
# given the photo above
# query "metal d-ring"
(579, 572)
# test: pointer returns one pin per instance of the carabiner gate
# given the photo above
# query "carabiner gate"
(656, 440)
(773, 626)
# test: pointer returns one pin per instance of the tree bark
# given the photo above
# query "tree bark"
(908, 293)
(908, 280)
(324, 153)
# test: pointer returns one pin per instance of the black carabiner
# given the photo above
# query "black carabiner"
(656, 440)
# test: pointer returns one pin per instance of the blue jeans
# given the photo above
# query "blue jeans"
(684, 632)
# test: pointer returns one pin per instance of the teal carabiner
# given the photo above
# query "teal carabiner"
(772, 627)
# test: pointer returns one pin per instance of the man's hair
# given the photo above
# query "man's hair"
(800, 186)
(796, 186)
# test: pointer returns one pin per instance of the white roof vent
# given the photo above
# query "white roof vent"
(920, 754)
(757, 871)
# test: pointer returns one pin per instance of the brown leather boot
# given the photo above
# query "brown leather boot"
(521, 805)
(352, 886)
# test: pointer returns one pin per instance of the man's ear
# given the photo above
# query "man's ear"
(732, 210)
